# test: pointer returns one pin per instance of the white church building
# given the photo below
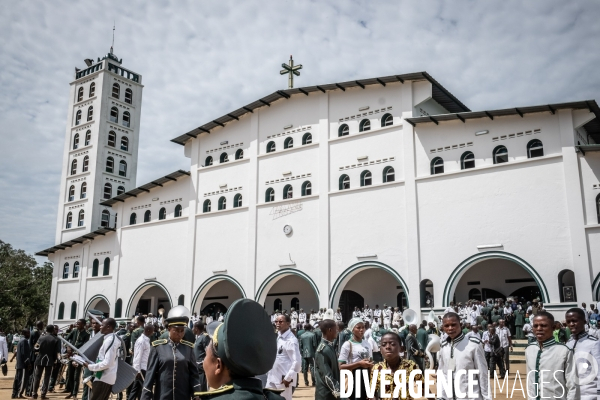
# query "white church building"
(385, 190)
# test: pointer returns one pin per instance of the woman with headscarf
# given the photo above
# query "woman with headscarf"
(356, 353)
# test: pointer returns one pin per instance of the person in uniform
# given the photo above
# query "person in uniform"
(23, 366)
(288, 362)
(414, 352)
(377, 314)
(397, 316)
(294, 317)
(387, 317)
(458, 353)
(327, 370)
(78, 337)
(141, 352)
(202, 340)
(338, 315)
(356, 313)
(367, 314)
(312, 317)
(308, 345)
(242, 347)
(140, 322)
(172, 372)
(301, 318)
(548, 355)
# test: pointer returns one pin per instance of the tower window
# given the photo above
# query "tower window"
(107, 190)
(389, 175)
(535, 148)
(90, 114)
(437, 166)
(81, 218)
(387, 120)
(122, 168)
(126, 119)
(128, 96)
(76, 141)
(112, 139)
(110, 165)
(162, 214)
(120, 190)
(224, 158)
(344, 182)
(76, 269)
(269, 195)
(365, 125)
(206, 206)
(344, 130)
(105, 219)
(177, 210)
(72, 193)
(208, 161)
(239, 154)
(270, 147)
(237, 201)
(69, 220)
(306, 188)
(147, 216)
(88, 138)
(289, 143)
(307, 138)
(114, 115)
(86, 164)
(66, 271)
(222, 203)
(467, 160)
(77, 117)
(80, 94)
(116, 89)
(366, 179)
(288, 192)
(73, 167)
(92, 89)
(500, 155)
(132, 219)
(83, 192)
(124, 143)
(106, 269)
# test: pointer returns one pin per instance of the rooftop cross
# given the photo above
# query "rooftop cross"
(291, 70)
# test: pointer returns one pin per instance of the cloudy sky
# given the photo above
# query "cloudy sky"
(201, 59)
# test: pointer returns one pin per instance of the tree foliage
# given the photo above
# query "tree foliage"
(24, 289)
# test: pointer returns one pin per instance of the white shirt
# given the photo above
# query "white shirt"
(3, 348)
(287, 363)
(359, 351)
(141, 352)
(302, 317)
(108, 359)
(503, 334)
(588, 345)
(487, 347)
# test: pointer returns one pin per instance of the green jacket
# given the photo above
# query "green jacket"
(422, 338)
(327, 372)
(134, 336)
(308, 344)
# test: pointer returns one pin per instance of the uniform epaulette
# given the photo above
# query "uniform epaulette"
(159, 342)
(594, 338)
(475, 340)
(321, 347)
(187, 343)
(222, 389)
(128, 334)
(278, 391)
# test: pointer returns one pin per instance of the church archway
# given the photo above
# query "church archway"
(220, 290)
(495, 272)
(98, 302)
(149, 297)
(376, 282)
(288, 284)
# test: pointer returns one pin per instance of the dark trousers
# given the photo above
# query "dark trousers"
(39, 370)
(73, 378)
(86, 388)
(56, 375)
(496, 360)
(20, 382)
(488, 355)
(308, 364)
(101, 390)
(136, 387)
(506, 359)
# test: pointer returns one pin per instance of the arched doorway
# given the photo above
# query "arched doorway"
(149, 297)
(288, 287)
(216, 294)
(375, 282)
(348, 301)
(495, 274)
(100, 303)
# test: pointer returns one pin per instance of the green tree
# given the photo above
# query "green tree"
(25, 289)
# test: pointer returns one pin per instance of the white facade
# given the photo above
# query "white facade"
(528, 221)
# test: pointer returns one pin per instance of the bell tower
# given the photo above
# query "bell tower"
(101, 145)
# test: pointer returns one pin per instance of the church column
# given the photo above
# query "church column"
(250, 283)
(190, 267)
(324, 278)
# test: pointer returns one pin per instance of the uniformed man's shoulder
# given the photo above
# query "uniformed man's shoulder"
(159, 342)
(593, 338)
(225, 389)
(187, 343)
(321, 347)
(444, 343)
(474, 339)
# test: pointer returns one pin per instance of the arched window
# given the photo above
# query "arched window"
(162, 213)
(69, 220)
(106, 270)
(83, 192)
(344, 182)
(306, 189)
(222, 203)
(387, 120)
(116, 90)
(73, 167)
(122, 168)
(77, 117)
(76, 269)
(128, 96)
(66, 271)
(366, 179)
(389, 175)
(92, 89)
(535, 148)
(223, 158)
(72, 193)
(105, 219)
(288, 192)
(270, 147)
(86, 164)
(269, 195)
(365, 125)
(76, 141)
(307, 138)
(90, 114)
(110, 164)
(288, 143)
(237, 201)
(120, 190)
(81, 219)
(343, 130)
(132, 219)
(147, 216)
(178, 210)
(206, 206)
(114, 115)
(107, 190)
(61, 311)
(500, 155)
(209, 161)
(467, 160)
(277, 305)
(80, 94)
(180, 300)
(437, 166)
(239, 154)
(88, 138)
(124, 143)
(112, 139)
(95, 267)
(73, 310)
(126, 119)
(118, 308)
(295, 303)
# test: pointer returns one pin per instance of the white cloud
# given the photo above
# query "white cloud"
(200, 60)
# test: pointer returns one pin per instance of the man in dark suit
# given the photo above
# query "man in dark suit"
(47, 350)
(23, 366)
(78, 337)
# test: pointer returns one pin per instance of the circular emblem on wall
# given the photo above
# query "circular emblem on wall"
(287, 229)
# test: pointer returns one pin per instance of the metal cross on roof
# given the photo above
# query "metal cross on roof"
(291, 70)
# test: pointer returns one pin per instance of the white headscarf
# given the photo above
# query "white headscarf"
(353, 322)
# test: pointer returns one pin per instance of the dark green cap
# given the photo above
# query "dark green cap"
(246, 341)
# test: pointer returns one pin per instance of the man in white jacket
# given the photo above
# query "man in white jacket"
(283, 375)
(105, 368)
